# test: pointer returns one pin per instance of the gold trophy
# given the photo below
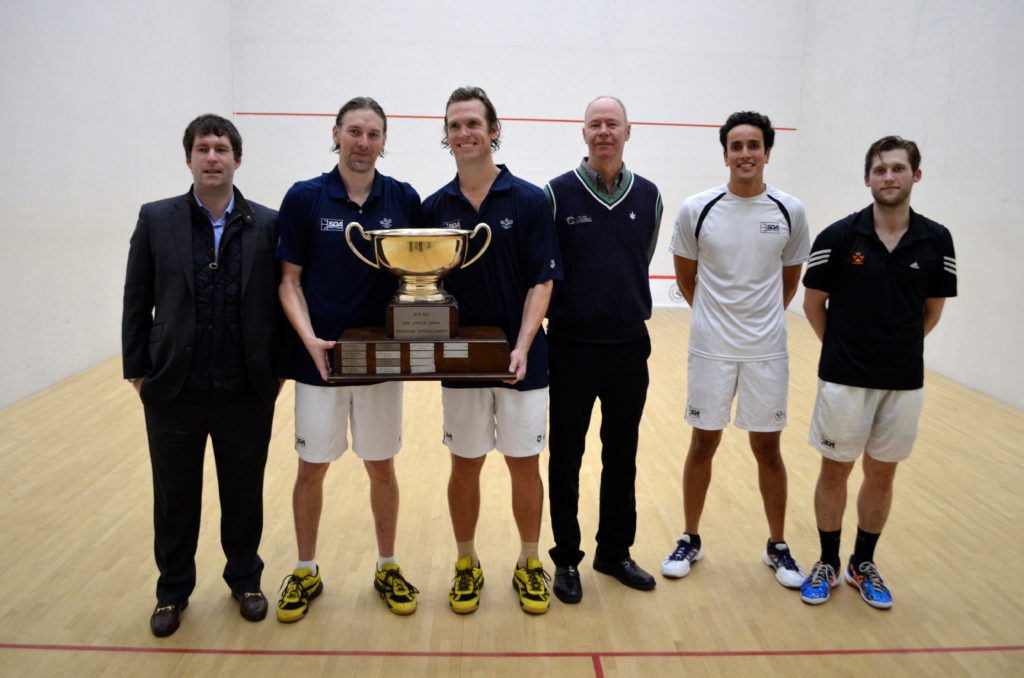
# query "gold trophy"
(421, 338)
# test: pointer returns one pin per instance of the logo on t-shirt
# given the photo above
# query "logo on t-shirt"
(582, 219)
(771, 227)
(857, 258)
(332, 224)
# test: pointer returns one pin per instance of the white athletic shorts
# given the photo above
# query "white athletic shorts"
(849, 420)
(761, 388)
(478, 420)
(322, 414)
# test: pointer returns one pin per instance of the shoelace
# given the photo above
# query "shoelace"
(533, 579)
(821, 573)
(683, 548)
(786, 560)
(870, 573)
(398, 583)
(290, 583)
(463, 579)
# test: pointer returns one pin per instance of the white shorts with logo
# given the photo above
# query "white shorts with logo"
(478, 420)
(849, 420)
(761, 389)
(322, 414)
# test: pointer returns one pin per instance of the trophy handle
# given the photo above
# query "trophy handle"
(483, 249)
(348, 239)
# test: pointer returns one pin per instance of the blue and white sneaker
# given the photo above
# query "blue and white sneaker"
(865, 578)
(677, 564)
(817, 588)
(787, 572)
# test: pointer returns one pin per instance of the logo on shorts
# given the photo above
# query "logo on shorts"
(857, 258)
(448, 436)
(540, 438)
(780, 416)
(771, 227)
(693, 412)
(300, 442)
(830, 444)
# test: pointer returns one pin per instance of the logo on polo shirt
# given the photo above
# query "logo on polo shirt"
(857, 258)
(332, 224)
(455, 223)
(582, 219)
(771, 227)
(385, 222)
(506, 223)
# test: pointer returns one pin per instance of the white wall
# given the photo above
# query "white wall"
(111, 89)
(95, 97)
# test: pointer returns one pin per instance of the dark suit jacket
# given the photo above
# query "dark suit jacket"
(158, 322)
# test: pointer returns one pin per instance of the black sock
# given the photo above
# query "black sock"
(830, 547)
(694, 539)
(864, 547)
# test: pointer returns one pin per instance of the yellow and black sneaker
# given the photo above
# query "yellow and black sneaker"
(530, 583)
(465, 594)
(300, 587)
(396, 591)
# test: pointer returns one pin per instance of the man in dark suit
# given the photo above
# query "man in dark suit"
(200, 332)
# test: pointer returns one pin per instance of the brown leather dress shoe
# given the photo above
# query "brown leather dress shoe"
(252, 605)
(166, 619)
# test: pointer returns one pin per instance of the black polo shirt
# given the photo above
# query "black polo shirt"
(874, 332)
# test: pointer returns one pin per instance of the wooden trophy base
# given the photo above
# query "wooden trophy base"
(369, 354)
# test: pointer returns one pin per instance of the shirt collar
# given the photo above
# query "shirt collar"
(224, 217)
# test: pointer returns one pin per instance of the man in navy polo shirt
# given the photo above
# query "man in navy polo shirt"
(876, 284)
(509, 288)
(325, 289)
(607, 219)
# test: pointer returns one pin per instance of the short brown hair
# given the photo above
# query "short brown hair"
(893, 143)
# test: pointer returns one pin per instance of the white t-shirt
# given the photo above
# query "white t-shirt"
(742, 246)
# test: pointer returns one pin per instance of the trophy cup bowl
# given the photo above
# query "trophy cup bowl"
(420, 257)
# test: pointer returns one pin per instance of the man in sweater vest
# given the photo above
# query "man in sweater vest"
(607, 219)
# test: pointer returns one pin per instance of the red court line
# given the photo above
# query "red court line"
(566, 655)
(441, 117)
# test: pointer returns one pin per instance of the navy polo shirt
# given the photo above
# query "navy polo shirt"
(874, 329)
(340, 290)
(523, 253)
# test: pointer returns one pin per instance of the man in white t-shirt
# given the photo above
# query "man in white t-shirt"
(738, 252)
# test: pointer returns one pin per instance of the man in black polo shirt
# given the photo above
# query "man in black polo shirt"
(876, 284)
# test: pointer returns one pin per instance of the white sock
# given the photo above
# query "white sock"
(306, 565)
(382, 561)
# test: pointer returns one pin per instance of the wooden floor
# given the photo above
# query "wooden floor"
(78, 572)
